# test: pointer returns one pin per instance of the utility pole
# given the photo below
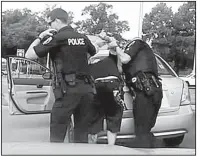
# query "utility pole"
(140, 20)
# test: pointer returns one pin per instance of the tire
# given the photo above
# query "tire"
(175, 141)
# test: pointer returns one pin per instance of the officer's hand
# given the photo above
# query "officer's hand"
(47, 32)
(113, 52)
(93, 60)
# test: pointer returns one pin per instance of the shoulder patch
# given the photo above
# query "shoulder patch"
(48, 40)
(130, 44)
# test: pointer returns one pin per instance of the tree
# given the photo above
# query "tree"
(101, 17)
(184, 33)
(172, 35)
(21, 27)
(157, 27)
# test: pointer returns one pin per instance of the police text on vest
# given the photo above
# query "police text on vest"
(74, 41)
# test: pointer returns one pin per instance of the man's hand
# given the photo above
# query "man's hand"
(102, 35)
(47, 32)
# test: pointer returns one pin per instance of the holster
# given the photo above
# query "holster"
(59, 82)
(146, 83)
(62, 82)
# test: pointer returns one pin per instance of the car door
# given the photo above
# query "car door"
(29, 92)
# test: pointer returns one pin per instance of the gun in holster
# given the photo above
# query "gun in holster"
(143, 83)
(146, 84)
(58, 77)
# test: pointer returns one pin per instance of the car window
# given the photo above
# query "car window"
(163, 69)
(21, 68)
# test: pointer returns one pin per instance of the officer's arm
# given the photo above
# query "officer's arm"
(124, 57)
(30, 53)
(38, 49)
(134, 48)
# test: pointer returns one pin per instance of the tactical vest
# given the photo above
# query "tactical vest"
(72, 49)
(144, 61)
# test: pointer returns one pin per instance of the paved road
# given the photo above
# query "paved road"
(35, 128)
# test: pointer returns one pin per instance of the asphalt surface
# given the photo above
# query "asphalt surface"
(86, 149)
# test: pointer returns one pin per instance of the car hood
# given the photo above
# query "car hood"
(26, 148)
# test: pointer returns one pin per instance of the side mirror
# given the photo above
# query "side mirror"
(47, 75)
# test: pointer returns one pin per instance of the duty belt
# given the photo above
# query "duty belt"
(72, 78)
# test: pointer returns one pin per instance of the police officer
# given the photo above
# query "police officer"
(72, 84)
(140, 68)
(106, 105)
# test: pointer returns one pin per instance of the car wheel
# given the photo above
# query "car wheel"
(175, 141)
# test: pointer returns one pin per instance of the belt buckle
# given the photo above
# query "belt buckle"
(72, 83)
(70, 79)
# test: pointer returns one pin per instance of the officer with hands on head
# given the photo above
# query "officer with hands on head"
(73, 87)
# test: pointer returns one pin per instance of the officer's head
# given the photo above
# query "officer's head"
(57, 18)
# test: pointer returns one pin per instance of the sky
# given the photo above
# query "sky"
(128, 11)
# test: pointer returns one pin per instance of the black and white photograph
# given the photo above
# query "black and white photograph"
(90, 78)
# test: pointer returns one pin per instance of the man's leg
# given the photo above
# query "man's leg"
(113, 114)
(96, 121)
(114, 124)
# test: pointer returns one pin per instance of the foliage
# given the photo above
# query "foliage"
(172, 35)
(21, 27)
(100, 17)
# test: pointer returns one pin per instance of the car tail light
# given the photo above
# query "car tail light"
(185, 99)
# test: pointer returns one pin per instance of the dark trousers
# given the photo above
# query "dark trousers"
(77, 101)
(145, 111)
(106, 107)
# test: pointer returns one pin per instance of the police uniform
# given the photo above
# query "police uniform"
(72, 84)
(143, 66)
(104, 101)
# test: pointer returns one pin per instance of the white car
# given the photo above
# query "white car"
(31, 93)
(190, 79)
